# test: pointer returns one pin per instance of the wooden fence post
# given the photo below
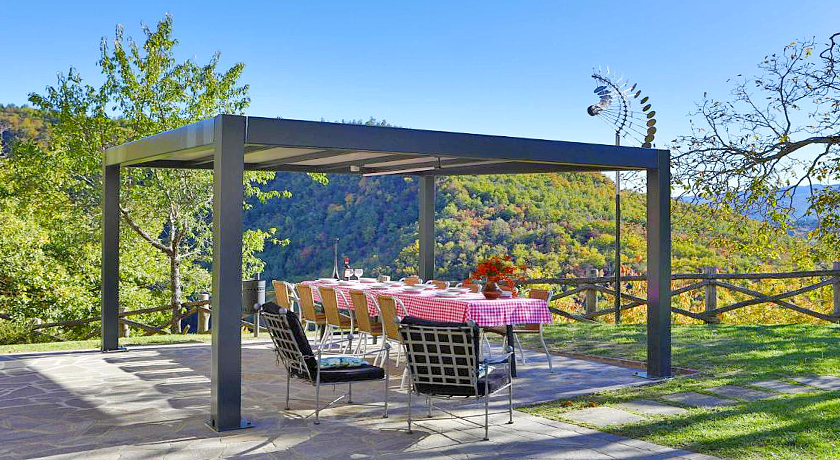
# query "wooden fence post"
(591, 294)
(711, 290)
(203, 316)
(836, 289)
(123, 328)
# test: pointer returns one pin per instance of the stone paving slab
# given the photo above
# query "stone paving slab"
(823, 382)
(602, 416)
(699, 400)
(151, 403)
(649, 407)
(783, 387)
(747, 394)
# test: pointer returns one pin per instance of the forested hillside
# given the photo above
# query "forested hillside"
(558, 224)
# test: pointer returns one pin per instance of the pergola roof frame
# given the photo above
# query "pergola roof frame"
(231, 144)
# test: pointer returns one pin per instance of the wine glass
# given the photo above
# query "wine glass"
(348, 272)
(358, 272)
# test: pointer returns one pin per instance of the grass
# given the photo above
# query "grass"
(805, 426)
(93, 344)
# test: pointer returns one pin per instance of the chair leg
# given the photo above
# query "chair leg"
(521, 350)
(510, 404)
(349, 393)
(409, 411)
(547, 354)
(489, 348)
(288, 385)
(404, 379)
(387, 379)
(317, 403)
(486, 416)
(429, 401)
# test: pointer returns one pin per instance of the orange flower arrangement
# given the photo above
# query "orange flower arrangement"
(499, 270)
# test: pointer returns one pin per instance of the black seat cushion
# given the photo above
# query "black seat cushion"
(352, 374)
(333, 375)
(498, 378)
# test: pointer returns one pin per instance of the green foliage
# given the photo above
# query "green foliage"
(53, 183)
(557, 224)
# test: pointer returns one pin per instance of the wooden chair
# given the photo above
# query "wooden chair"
(285, 296)
(335, 320)
(411, 280)
(389, 316)
(439, 284)
(445, 362)
(474, 287)
(528, 328)
(308, 312)
(363, 319)
(294, 353)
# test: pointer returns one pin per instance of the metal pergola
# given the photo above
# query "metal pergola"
(231, 144)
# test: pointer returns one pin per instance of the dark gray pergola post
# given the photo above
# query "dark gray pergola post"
(110, 257)
(426, 229)
(226, 355)
(659, 267)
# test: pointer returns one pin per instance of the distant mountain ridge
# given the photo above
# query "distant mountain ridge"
(799, 202)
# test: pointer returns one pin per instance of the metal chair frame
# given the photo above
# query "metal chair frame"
(414, 336)
(288, 353)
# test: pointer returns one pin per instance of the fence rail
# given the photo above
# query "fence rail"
(588, 287)
(708, 281)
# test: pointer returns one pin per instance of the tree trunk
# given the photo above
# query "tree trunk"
(175, 282)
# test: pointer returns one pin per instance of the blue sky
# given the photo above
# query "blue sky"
(511, 68)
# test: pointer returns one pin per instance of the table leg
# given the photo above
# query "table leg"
(510, 342)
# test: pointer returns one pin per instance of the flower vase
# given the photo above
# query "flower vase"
(491, 290)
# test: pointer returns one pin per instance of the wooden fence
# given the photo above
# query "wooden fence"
(201, 308)
(708, 281)
(588, 287)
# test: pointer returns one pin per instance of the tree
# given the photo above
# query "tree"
(778, 131)
(145, 91)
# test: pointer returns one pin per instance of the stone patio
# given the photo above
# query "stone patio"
(151, 403)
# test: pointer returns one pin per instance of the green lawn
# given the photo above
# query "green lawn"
(805, 426)
(94, 344)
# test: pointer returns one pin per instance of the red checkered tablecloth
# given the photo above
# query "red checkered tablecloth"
(465, 307)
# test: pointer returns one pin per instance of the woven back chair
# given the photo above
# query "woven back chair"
(284, 293)
(527, 328)
(474, 287)
(294, 353)
(444, 362)
(307, 306)
(363, 318)
(412, 280)
(439, 284)
(390, 316)
(335, 320)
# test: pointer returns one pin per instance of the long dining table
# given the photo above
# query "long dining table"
(431, 305)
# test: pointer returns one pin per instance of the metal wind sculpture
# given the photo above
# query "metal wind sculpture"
(631, 117)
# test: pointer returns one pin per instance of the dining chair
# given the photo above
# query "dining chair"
(474, 287)
(365, 326)
(527, 328)
(335, 320)
(285, 295)
(439, 284)
(411, 280)
(444, 361)
(295, 354)
(308, 311)
(391, 312)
